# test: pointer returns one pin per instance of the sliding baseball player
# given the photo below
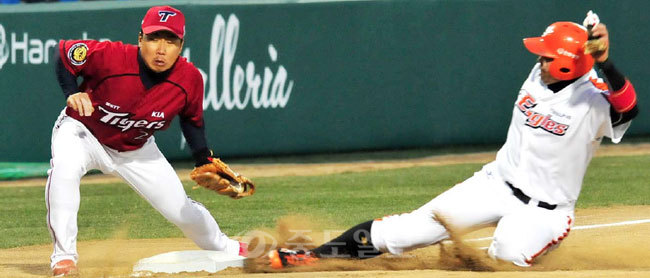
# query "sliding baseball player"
(559, 118)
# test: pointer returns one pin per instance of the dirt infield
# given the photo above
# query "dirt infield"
(620, 251)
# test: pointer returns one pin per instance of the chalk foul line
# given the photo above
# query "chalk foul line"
(584, 227)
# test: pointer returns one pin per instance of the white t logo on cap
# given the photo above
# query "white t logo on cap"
(164, 15)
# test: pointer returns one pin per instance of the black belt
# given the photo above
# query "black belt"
(525, 199)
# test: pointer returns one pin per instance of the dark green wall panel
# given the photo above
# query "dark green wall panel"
(364, 74)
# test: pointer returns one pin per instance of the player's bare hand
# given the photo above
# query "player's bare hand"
(599, 48)
(81, 103)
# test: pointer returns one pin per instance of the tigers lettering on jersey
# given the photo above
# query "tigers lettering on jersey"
(122, 120)
(537, 120)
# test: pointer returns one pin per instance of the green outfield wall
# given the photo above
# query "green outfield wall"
(318, 76)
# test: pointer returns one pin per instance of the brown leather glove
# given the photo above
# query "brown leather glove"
(217, 176)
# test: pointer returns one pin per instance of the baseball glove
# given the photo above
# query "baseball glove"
(218, 176)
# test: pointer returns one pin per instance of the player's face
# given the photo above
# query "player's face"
(160, 49)
(546, 76)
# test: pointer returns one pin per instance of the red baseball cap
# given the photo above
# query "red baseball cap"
(164, 18)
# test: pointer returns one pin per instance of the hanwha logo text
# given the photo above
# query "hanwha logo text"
(565, 52)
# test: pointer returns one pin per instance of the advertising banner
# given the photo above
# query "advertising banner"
(287, 78)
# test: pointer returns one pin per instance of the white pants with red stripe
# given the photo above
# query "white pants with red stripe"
(523, 231)
(75, 151)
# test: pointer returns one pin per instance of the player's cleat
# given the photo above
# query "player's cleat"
(243, 249)
(64, 268)
(282, 257)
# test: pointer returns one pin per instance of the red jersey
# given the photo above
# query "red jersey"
(126, 112)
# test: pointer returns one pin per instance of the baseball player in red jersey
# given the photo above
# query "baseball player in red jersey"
(559, 118)
(128, 93)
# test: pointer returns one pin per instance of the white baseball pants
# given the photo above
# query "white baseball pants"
(75, 151)
(523, 232)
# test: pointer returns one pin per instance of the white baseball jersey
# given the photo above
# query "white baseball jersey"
(553, 136)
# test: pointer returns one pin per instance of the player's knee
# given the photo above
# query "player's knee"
(187, 215)
(509, 253)
(61, 170)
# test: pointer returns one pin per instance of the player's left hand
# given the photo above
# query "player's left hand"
(599, 48)
(598, 43)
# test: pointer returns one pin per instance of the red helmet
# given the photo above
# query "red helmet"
(564, 42)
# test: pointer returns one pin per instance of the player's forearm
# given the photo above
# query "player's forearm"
(615, 78)
(67, 81)
(622, 95)
(195, 137)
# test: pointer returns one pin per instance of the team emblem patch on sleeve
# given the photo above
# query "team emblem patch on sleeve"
(77, 54)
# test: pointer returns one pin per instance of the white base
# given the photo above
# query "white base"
(187, 261)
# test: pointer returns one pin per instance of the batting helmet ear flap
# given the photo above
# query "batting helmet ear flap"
(566, 68)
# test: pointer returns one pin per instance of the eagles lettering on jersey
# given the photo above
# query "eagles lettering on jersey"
(537, 120)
